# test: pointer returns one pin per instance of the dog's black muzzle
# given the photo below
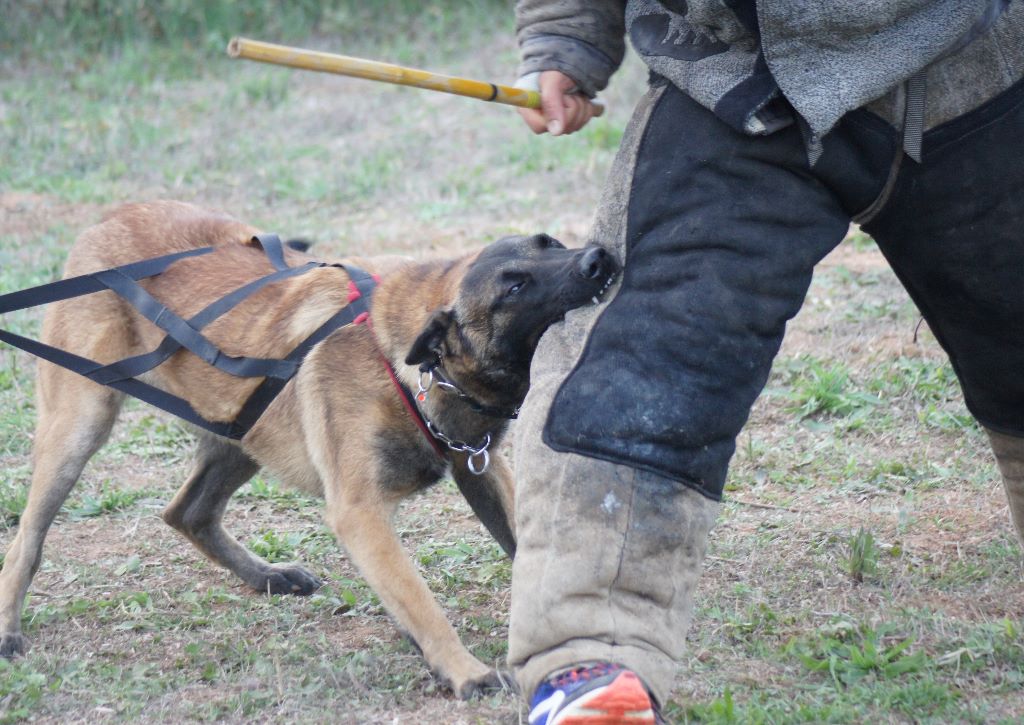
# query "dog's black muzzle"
(596, 263)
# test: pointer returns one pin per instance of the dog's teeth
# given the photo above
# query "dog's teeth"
(594, 299)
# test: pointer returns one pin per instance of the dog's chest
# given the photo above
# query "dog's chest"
(407, 464)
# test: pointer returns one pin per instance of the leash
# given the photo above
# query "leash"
(180, 333)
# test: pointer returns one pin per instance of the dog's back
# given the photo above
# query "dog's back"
(151, 229)
(105, 328)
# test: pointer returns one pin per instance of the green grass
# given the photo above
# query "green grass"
(846, 670)
(818, 389)
(862, 557)
(13, 494)
(68, 29)
(850, 656)
(107, 500)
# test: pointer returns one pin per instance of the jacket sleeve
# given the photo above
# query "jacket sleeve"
(585, 39)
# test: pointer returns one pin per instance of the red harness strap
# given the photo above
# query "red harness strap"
(404, 393)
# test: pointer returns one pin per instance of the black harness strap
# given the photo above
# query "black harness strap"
(274, 250)
(87, 283)
(190, 338)
(134, 366)
(121, 375)
(143, 391)
(359, 304)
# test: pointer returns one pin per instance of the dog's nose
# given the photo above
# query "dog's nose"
(594, 263)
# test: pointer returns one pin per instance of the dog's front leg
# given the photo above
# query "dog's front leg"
(491, 495)
(362, 522)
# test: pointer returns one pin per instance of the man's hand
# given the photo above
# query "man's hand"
(561, 111)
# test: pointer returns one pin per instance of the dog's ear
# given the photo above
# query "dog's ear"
(427, 345)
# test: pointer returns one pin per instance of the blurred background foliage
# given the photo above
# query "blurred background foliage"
(61, 30)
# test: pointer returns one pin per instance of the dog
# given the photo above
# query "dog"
(340, 427)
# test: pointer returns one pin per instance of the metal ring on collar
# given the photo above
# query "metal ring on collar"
(477, 471)
(421, 392)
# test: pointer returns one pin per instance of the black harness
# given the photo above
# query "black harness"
(180, 333)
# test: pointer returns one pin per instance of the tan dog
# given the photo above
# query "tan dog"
(339, 427)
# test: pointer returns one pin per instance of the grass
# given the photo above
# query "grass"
(862, 559)
(860, 462)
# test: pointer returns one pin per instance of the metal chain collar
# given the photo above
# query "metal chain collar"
(475, 452)
(434, 374)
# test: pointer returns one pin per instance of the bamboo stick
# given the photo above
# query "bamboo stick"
(385, 72)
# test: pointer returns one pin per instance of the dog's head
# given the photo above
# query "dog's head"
(511, 292)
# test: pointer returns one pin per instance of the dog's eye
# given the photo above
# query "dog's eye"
(514, 289)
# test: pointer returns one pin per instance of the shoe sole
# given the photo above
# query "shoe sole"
(623, 702)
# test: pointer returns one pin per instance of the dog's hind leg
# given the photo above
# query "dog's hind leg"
(361, 519)
(69, 431)
(198, 509)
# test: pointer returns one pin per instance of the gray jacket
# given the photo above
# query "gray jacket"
(739, 57)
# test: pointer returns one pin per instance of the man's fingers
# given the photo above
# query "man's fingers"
(552, 104)
(534, 119)
(562, 110)
(554, 92)
(578, 111)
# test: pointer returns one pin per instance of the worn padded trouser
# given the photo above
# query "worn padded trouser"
(623, 444)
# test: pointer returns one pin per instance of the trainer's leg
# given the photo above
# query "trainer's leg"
(720, 233)
(1009, 452)
(952, 232)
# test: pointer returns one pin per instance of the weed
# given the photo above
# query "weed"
(945, 420)
(856, 654)
(108, 500)
(458, 563)
(267, 489)
(825, 389)
(860, 241)
(986, 646)
(862, 555)
(151, 436)
(13, 495)
(21, 687)
(720, 710)
(276, 548)
(117, 607)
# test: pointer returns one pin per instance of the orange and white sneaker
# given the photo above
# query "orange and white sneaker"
(598, 694)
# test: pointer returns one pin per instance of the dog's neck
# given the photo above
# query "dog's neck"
(402, 304)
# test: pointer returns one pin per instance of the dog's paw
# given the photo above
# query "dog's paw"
(491, 681)
(12, 643)
(289, 579)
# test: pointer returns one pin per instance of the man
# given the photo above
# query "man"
(769, 127)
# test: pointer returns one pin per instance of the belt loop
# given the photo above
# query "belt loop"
(913, 116)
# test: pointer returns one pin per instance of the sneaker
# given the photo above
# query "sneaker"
(600, 694)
